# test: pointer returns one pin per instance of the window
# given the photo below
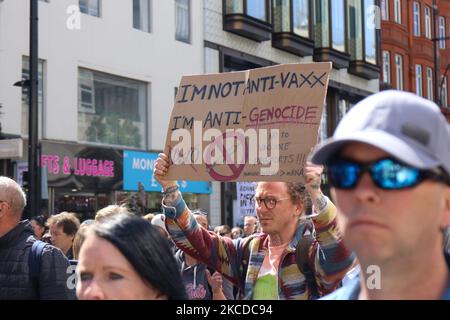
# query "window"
(386, 67)
(362, 37)
(111, 110)
(442, 32)
(444, 93)
(298, 24)
(338, 25)
(90, 7)
(183, 20)
(427, 22)
(301, 17)
(416, 13)
(419, 80)
(322, 23)
(323, 128)
(26, 97)
(430, 84)
(399, 71)
(385, 9)
(370, 48)
(257, 9)
(142, 15)
(398, 11)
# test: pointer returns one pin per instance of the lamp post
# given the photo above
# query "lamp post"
(33, 147)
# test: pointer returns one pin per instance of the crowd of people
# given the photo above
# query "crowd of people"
(385, 225)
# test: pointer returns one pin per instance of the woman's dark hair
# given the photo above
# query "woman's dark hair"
(40, 220)
(147, 251)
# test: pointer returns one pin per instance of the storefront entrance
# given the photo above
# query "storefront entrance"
(84, 204)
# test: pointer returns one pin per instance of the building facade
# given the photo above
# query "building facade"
(108, 73)
(408, 32)
(245, 34)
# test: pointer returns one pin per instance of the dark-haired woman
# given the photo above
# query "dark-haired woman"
(126, 258)
(38, 224)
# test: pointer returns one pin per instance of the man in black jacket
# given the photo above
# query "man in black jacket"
(16, 240)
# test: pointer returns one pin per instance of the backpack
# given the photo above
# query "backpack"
(34, 263)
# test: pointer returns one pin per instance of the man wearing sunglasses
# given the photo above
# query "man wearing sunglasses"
(389, 168)
(264, 265)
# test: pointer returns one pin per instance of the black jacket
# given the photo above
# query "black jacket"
(15, 283)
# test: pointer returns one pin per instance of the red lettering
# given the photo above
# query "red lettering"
(311, 113)
(251, 117)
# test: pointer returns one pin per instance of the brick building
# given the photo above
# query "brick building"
(408, 48)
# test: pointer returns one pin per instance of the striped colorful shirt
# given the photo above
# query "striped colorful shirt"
(240, 260)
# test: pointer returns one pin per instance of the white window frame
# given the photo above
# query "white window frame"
(444, 93)
(177, 36)
(145, 16)
(419, 83)
(416, 18)
(428, 22)
(398, 11)
(399, 71)
(442, 43)
(91, 12)
(430, 83)
(385, 10)
(87, 86)
(386, 67)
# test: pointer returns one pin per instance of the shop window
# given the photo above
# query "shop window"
(111, 110)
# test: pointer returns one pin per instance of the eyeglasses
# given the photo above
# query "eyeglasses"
(269, 202)
(386, 173)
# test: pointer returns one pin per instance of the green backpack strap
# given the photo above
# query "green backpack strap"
(302, 257)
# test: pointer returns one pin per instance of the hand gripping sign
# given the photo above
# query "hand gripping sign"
(254, 125)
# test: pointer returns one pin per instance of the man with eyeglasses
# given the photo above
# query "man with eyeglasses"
(264, 265)
(389, 168)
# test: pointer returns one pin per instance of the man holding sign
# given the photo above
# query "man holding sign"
(264, 266)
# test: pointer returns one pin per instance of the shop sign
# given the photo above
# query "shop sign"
(138, 167)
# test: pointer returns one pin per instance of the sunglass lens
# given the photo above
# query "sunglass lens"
(343, 174)
(389, 174)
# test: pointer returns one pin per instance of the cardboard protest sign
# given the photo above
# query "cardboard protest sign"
(254, 125)
(245, 195)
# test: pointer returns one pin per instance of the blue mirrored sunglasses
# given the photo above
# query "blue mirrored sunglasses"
(386, 173)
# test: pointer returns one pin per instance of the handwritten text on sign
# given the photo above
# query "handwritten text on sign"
(252, 125)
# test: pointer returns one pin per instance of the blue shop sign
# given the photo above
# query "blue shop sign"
(138, 167)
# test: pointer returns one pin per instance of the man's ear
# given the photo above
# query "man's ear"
(446, 216)
(299, 208)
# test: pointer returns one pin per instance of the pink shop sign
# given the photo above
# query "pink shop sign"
(78, 166)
